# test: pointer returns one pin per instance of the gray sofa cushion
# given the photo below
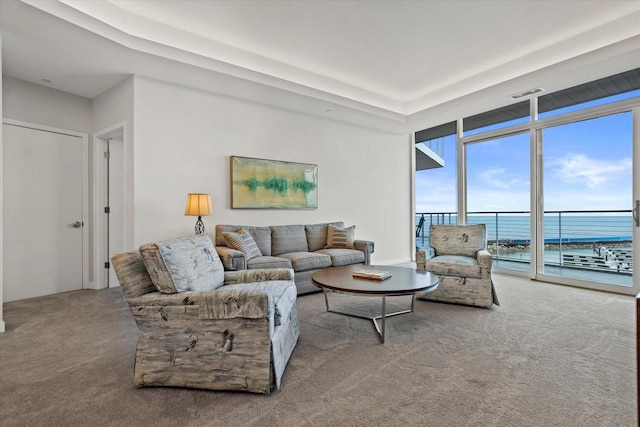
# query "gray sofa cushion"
(287, 239)
(317, 235)
(261, 235)
(269, 262)
(455, 265)
(343, 256)
(304, 261)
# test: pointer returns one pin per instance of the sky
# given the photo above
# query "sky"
(587, 166)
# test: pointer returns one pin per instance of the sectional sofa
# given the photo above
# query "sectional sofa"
(304, 248)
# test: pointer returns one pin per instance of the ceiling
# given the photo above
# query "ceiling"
(393, 60)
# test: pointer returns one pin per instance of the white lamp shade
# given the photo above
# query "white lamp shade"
(198, 204)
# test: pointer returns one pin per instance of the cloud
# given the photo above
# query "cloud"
(566, 199)
(435, 192)
(489, 200)
(498, 177)
(576, 168)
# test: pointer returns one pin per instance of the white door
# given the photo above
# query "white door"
(43, 212)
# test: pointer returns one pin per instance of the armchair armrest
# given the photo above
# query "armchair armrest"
(484, 258)
(231, 259)
(365, 246)
(421, 259)
(431, 252)
(176, 309)
(257, 275)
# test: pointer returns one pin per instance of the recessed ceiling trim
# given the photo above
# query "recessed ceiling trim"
(145, 35)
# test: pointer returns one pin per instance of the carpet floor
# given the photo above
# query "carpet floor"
(549, 356)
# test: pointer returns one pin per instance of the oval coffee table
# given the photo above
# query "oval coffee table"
(403, 281)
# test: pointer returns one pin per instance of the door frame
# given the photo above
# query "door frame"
(84, 137)
(100, 235)
(635, 162)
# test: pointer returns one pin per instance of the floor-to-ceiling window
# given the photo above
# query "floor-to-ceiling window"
(552, 178)
(435, 180)
(498, 196)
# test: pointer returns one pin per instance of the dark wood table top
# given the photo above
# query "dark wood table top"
(404, 280)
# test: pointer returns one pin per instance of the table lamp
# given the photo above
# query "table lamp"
(199, 204)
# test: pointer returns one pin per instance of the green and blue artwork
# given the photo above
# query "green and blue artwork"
(261, 183)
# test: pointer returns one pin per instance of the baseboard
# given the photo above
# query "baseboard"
(1, 326)
(392, 261)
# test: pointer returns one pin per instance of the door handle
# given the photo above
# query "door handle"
(636, 214)
(76, 224)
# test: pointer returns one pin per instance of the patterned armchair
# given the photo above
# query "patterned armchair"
(460, 259)
(236, 337)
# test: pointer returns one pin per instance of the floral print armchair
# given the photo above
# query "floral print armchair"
(461, 261)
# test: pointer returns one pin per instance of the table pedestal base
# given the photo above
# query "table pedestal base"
(375, 319)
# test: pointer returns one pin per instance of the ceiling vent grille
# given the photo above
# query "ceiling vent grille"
(527, 92)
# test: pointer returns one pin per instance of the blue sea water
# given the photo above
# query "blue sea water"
(558, 227)
(565, 227)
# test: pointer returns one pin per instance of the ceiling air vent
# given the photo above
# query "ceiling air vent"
(527, 92)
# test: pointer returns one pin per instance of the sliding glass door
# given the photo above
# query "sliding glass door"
(587, 189)
(557, 196)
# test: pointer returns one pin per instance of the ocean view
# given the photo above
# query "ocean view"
(558, 227)
(586, 242)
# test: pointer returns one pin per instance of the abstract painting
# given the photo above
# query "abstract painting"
(261, 183)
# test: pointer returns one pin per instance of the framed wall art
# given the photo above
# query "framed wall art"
(261, 183)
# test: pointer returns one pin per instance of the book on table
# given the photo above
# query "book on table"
(372, 274)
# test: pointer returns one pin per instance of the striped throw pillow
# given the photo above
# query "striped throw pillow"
(341, 238)
(242, 242)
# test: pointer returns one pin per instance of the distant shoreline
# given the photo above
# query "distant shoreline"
(508, 247)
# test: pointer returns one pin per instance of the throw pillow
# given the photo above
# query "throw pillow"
(243, 242)
(184, 264)
(317, 235)
(340, 237)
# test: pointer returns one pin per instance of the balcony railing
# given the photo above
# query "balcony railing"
(596, 240)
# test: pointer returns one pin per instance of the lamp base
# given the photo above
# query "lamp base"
(199, 226)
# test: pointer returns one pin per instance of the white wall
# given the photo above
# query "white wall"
(183, 139)
(41, 105)
(111, 108)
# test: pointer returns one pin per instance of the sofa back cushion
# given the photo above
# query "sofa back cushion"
(317, 235)
(465, 240)
(184, 264)
(261, 235)
(288, 238)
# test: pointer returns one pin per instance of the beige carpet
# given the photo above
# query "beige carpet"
(549, 356)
